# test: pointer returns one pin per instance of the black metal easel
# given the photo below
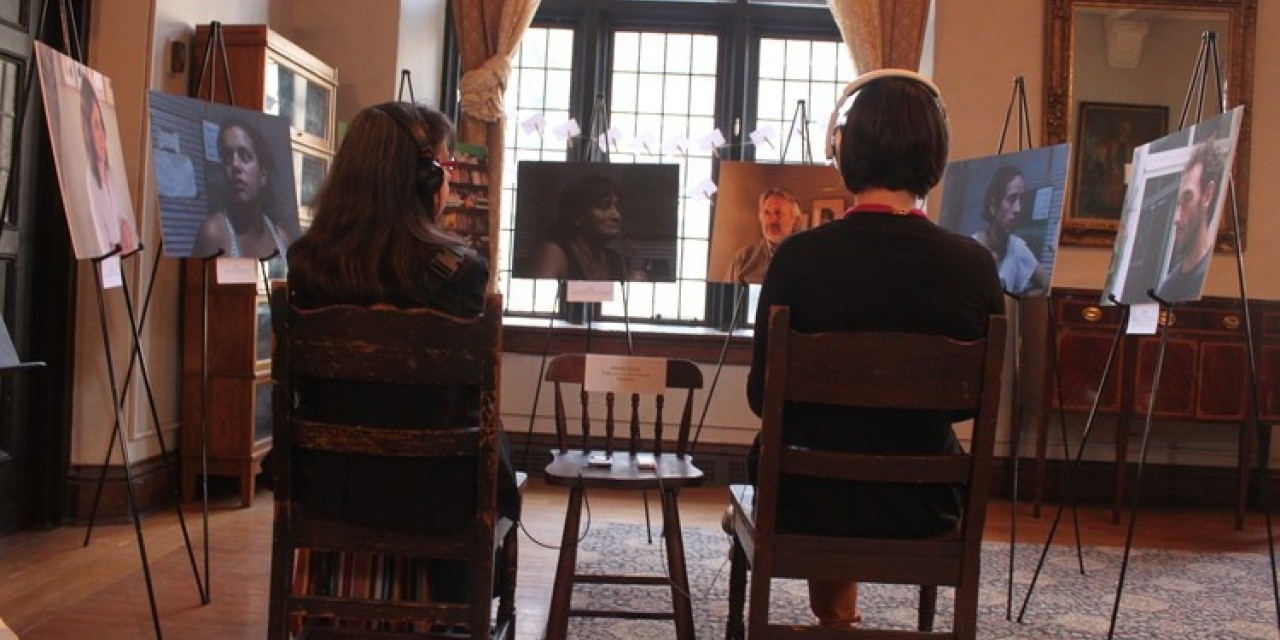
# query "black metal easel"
(406, 82)
(216, 44)
(136, 356)
(1208, 55)
(1018, 100)
(800, 119)
(118, 436)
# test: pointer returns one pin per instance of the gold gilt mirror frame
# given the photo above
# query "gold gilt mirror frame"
(1065, 21)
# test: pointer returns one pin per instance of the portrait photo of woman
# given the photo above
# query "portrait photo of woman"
(225, 179)
(244, 227)
(80, 108)
(586, 221)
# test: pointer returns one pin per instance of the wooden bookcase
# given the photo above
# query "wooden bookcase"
(230, 395)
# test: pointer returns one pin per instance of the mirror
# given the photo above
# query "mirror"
(1119, 73)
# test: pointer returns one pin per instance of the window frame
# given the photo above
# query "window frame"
(740, 25)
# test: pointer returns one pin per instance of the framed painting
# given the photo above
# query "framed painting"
(1106, 135)
(826, 210)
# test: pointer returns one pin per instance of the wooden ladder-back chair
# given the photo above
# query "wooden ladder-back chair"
(384, 345)
(571, 467)
(871, 370)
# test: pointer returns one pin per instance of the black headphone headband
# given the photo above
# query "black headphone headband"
(428, 174)
(833, 143)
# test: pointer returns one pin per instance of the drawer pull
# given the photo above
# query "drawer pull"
(1091, 313)
(1231, 322)
(1167, 319)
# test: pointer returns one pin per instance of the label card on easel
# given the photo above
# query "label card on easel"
(589, 291)
(624, 374)
(236, 271)
(753, 300)
(111, 275)
(1143, 319)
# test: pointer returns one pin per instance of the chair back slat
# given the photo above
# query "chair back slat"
(569, 370)
(389, 345)
(901, 469)
(943, 374)
(393, 443)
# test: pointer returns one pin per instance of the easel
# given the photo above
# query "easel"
(71, 40)
(1199, 77)
(1023, 125)
(216, 44)
(577, 312)
(405, 82)
(800, 120)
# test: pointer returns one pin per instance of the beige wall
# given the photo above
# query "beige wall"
(980, 46)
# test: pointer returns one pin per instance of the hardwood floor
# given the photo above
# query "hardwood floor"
(52, 587)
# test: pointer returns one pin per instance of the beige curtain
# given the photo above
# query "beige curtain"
(488, 33)
(882, 33)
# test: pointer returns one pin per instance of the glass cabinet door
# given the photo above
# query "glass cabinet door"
(301, 100)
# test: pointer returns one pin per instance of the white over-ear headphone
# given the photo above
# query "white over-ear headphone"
(833, 131)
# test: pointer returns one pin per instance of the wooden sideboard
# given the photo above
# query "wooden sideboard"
(1204, 377)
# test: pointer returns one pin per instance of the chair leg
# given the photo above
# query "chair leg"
(562, 590)
(928, 607)
(737, 591)
(282, 559)
(507, 595)
(680, 603)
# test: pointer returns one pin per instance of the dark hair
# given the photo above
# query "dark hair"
(266, 197)
(996, 188)
(372, 232)
(894, 137)
(1208, 155)
(88, 101)
(577, 197)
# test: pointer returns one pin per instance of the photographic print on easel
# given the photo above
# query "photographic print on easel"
(80, 107)
(1011, 204)
(225, 179)
(596, 222)
(759, 205)
(1172, 210)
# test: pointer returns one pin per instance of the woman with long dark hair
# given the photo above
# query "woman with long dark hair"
(374, 240)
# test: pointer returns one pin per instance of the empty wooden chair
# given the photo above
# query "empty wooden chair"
(572, 467)
(401, 352)
(869, 370)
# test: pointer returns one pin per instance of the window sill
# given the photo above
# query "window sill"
(699, 344)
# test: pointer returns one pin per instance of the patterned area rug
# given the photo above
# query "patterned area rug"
(1167, 594)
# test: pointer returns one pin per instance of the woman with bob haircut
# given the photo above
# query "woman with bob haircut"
(884, 266)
